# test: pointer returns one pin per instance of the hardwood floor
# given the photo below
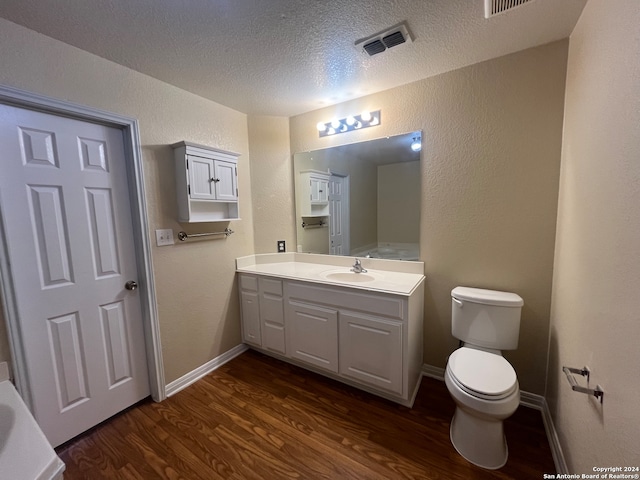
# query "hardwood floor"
(259, 418)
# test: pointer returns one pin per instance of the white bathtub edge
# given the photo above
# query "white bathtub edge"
(40, 461)
(4, 372)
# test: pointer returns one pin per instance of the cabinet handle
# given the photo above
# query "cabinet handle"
(215, 180)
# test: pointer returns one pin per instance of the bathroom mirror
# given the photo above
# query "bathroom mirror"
(361, 199)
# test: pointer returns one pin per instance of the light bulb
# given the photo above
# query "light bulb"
(331, 131)
(366, 115)
(351, 120)
(321, 126)
(416, 145)
(357, 125)
(343, 128)
(335, 123)
(374, 121)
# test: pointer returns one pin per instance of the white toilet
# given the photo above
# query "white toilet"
(481, 381)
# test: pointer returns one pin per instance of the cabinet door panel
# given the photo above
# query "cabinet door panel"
(313, 334)
(250, 318)
(226, 181)
(200, 175)
(371, 350)
(273, 337)
(271, 309)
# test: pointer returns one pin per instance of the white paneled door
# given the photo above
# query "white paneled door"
(338, 215)
(67, 221)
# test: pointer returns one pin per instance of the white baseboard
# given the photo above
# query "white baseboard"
(433, 372)
(530, 400)
(554, 441)
(195, 375)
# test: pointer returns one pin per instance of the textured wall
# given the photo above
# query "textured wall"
(490, 167)
(271, 183)
(197, 299)
(595, 319)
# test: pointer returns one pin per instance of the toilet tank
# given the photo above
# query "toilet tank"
(486, 318)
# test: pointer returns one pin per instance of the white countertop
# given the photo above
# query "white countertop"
(389, 276)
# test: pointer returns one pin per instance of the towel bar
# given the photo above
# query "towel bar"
(184, 235)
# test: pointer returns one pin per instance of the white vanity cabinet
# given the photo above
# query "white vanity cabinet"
(206, 183)
(272, 314)
(250, 308)
(369, 339)
(262, 309)
(314, 189)
(371, 350)
(313, 334)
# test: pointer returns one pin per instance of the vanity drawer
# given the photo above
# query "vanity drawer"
(271, 286)
(376, 303)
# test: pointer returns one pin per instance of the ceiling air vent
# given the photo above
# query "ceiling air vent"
(496, 7)
(374, 47)
(389, 38)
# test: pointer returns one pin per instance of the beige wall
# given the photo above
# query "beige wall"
(197, 299)
(595, 308)
(490, 167)
(271, 183)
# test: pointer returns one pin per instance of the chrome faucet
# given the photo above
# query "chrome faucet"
(357, 267)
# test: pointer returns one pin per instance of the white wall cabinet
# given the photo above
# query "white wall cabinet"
(371, 340)
(206, 183)
(314, 197)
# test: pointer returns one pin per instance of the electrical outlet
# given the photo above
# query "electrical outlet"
(281, 246)
(164, 237)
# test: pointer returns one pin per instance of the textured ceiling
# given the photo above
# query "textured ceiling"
(285, 57)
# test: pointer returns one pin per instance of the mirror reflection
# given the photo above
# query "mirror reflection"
(361, 199)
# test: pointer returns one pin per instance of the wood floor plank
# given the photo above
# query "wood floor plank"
(258, 418)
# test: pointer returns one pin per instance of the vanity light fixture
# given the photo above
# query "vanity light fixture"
(350, 123)
(416, 145)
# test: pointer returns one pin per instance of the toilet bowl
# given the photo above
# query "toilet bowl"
(482, 383)
(485, 390)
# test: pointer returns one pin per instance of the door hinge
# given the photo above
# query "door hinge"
(189, 189)
(187, 164)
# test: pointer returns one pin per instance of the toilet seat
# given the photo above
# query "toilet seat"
(482, 374)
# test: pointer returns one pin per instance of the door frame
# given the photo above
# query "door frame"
(142, 244)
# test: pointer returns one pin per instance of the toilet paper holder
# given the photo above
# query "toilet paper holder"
(585, 372)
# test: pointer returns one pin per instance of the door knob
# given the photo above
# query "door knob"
(131, 285)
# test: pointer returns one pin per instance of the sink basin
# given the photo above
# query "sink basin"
(349, 277)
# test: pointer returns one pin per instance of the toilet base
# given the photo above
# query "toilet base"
(480, 441)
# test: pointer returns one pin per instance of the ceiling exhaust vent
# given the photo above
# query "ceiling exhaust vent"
(389, 38)
(496, 7)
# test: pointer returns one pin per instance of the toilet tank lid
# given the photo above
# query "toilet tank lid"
(487, 297)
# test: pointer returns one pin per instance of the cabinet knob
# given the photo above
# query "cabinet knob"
(215, 180)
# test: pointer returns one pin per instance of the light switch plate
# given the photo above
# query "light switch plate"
(164, 237)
